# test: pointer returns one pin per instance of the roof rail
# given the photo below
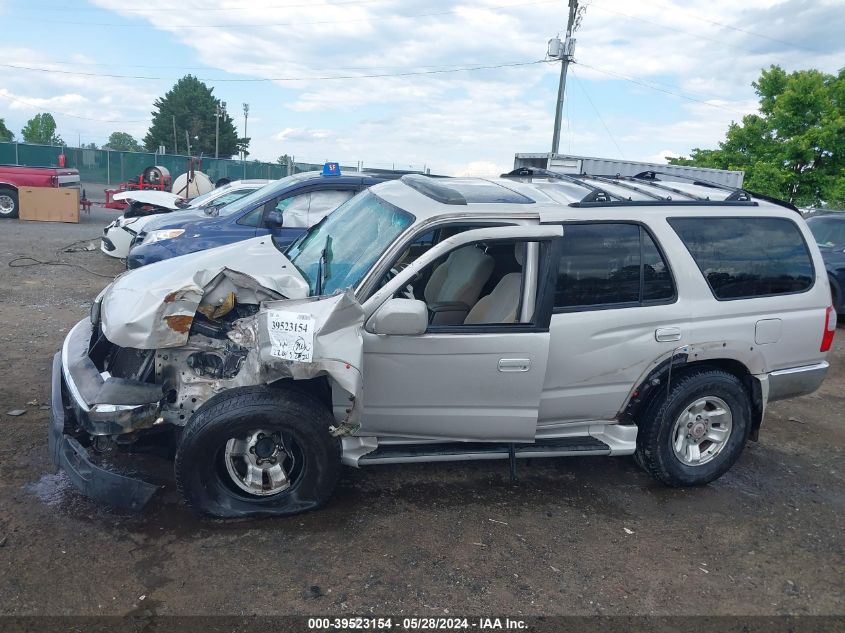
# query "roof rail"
(433, 189)
(672, 189)
(617, 181)
(653, 174)
(738, 194)
(597, 194)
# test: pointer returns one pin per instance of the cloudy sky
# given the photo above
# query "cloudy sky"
(652, 78)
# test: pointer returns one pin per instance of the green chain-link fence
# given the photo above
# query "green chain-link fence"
(110, 167)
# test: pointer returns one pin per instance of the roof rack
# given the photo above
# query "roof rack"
(737, 194)
(599, 197)
(597, 194)
(617, 181)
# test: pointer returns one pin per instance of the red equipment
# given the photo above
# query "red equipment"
(153, 177)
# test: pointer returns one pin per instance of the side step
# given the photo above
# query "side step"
(459, 451)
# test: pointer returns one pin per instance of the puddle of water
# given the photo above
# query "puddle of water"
(53, 489)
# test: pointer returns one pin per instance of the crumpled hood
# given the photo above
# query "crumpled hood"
(163, 199)
(154, 306)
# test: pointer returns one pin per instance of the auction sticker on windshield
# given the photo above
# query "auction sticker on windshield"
(291, 335)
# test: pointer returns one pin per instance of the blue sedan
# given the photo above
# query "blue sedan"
(283, 209)
(829, 231)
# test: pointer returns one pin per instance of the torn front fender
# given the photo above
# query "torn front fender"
(331, 345)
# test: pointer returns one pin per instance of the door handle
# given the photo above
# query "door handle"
(514, 364)
(664, 334)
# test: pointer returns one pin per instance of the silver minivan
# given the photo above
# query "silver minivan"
(534, 315)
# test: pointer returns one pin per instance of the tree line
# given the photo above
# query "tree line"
(184, 121)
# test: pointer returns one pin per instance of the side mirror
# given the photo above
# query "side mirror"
(400, 316)
(275, 219)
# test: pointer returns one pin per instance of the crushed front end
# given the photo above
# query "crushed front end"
(131, 375)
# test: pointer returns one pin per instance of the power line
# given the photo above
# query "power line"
(206, 67)
(673, 28)
(284, 79)
(231, 25)
(735, 28)
(596, 110)
(327, 5)
(652, 87)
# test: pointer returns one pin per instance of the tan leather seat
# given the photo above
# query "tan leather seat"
(499, 306)
(460, 278)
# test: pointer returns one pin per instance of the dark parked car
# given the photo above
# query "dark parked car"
(284, 209)
(829, 231)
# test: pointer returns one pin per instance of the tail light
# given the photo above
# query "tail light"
(829, 329)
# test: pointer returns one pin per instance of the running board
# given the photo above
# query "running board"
(460, 451)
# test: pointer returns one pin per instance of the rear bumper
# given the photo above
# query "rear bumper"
(68, 454)
(796, 381)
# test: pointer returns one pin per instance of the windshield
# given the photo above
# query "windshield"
(346, 243)
(828, 231)
(248, 201)
(202, 199)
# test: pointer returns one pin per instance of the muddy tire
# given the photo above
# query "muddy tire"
(694, 434)
(255, 451)
(9, 206)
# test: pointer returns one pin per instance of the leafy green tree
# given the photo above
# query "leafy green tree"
(284, 159)
(41, 129)
(194, 107)
(123, 142)
(794, 149)
(5, 133)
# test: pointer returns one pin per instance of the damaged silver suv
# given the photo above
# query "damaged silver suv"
(535, 315)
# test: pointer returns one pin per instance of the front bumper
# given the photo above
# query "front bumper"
(68, 454)
(100, 405)
(116, 241)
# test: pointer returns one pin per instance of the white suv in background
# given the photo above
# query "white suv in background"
(537, 315)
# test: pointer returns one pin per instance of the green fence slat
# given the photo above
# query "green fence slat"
(113, 167)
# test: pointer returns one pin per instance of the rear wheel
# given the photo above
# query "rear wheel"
(8, 203)
(258, 451)
(694, 434)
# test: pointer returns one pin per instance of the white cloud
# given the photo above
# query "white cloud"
(465, 121)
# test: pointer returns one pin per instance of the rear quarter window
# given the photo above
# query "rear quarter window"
(742, 258)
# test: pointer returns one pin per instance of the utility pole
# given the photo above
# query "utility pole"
(175, 145)
(564, 52)
(221, 111)
(246, 116)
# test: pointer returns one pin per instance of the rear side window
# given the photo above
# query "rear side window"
(743, 258)
(610, 265)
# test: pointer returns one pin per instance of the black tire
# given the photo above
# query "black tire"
(201, 473)
(654, 438)
(8, 197)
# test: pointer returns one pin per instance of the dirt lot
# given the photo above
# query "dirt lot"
(575, 536)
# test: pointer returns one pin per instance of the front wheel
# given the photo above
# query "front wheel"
(694, 434)
(8, 203)
(257, 451)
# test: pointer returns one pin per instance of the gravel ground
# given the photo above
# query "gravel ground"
(574, 536)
